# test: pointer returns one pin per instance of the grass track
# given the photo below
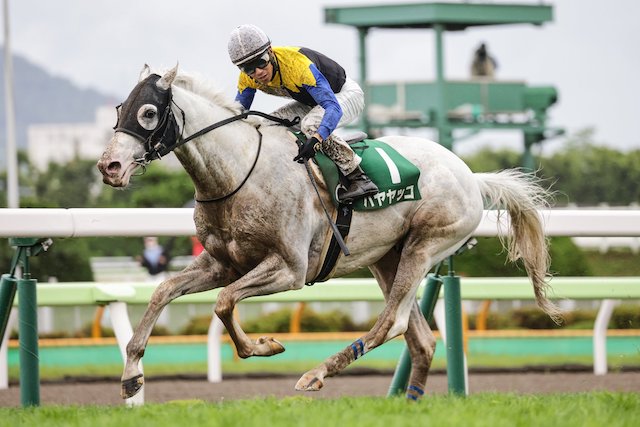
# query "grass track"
(495, 410)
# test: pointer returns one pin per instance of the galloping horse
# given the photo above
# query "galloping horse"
(263, 227)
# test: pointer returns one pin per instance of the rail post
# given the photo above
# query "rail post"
(27, 314)
(453, 327)
(8, 286)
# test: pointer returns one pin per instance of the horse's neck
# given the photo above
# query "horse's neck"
(218, 160)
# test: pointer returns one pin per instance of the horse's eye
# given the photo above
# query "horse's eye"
(148, 116)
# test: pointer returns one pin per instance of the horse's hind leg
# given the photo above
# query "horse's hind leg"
(419, 337)
(419, 253)
(203, 274)
(421, 344)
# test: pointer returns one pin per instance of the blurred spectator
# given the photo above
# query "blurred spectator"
(483, 65)
(154, 258)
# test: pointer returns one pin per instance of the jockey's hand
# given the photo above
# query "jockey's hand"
(307, 150)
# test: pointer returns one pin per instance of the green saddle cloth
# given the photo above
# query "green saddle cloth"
(395, 176)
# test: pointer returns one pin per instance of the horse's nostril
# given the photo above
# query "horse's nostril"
(113, 167)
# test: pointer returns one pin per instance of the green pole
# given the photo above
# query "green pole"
(453, 320)
(528, 160)
(28, 330)
(8, 286)
(445, 137)
(7, 294)
(27, 316)
(362, 44)
(427, 305)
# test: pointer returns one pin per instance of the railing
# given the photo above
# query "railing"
(179, 221)
(117, 296)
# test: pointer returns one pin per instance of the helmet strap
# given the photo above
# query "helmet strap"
(276, 66)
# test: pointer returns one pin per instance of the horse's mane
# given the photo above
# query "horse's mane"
(206, 89)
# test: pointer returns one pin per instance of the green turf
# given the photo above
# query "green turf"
(495, 410)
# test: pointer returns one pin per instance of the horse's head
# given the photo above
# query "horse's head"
(145, 127)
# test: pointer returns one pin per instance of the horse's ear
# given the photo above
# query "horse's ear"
(165, 81)
(144, 73)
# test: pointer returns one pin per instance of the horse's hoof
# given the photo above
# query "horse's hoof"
(309, 383)
(131, 386)
(267, 346)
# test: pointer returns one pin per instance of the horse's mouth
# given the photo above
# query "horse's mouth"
(117, 176)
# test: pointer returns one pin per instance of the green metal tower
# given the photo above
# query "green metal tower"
(473, 105)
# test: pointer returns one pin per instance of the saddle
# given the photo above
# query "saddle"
(395, 176)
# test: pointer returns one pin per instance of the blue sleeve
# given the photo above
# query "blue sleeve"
(246, 97)
(324, 96)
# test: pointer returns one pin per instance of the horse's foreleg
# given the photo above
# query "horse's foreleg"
(271, 276)
(191, 280)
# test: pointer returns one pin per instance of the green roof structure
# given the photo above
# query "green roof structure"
(475, 104)
(453, 16)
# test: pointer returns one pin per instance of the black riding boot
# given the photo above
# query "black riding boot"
(360, 186)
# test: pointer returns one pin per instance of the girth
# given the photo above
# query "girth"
(344, 213)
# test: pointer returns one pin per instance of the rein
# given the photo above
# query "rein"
(284, 122)
(255, 161)
(160, 150)
(168, 124)
(182, 141)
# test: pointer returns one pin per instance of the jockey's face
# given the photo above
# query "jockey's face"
(263, 75)
(260, 69)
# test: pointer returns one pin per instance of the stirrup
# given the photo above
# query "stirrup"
(364, 188)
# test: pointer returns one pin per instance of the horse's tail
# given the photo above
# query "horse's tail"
(521, 195)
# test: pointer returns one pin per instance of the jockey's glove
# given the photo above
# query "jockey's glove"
(307, 150)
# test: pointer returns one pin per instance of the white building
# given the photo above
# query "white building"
(61, 142)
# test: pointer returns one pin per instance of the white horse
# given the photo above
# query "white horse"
(263, 228)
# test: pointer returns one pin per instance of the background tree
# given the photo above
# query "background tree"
(588, 174)
(581, 173)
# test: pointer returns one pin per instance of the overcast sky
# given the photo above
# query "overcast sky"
(589, 52)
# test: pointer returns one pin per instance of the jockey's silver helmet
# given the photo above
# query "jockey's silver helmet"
(247, 42)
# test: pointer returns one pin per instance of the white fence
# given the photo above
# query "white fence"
(179, 222)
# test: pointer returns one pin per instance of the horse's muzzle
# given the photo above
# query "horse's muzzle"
(112, 172)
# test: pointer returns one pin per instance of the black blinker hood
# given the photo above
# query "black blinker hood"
(145, 92)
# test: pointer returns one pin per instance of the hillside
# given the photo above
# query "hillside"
(41, 97)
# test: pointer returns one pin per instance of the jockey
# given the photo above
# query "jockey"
(323, 96)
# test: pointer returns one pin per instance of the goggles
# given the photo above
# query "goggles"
(250, 67)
